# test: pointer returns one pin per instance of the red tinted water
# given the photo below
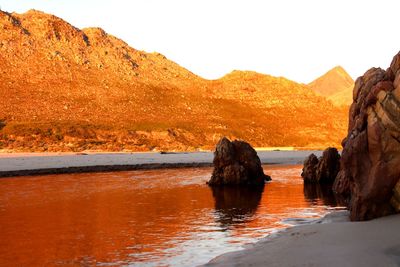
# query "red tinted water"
(161, 217)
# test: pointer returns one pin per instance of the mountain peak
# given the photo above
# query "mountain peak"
(338, 68)
(336, 85)
(246, 75)
(240, 74)
(33, 14)
(341, 72)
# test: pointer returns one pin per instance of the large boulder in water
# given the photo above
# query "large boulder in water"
(236, 163)
(322, 170)
(370, 164)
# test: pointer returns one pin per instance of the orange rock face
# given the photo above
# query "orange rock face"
(370, 164)
(66, 89)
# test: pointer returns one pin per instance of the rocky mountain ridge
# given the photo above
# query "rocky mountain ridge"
(66, 89)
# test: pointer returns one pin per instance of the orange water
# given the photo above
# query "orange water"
(155, 218)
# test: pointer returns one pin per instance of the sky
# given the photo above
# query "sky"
(297, 39)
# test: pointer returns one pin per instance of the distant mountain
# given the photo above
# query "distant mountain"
(336, 85)
(66, 89)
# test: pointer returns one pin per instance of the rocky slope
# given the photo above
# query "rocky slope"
(336, 85)
(370, 164)
(66, 89)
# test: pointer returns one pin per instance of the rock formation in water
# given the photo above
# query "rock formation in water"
(236, 163)
(370, 164)
(310, 169)
(322, 170)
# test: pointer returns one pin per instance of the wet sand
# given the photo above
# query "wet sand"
(332, 242)
(14, 164)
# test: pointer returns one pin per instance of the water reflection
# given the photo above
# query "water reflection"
(324, 192)
(153, 218)
(236, 204)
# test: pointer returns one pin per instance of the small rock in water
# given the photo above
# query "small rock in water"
(322, 170)
(310, 169)
(236, 163)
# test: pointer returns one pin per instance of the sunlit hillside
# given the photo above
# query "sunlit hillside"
(66, 89)
(336, 85)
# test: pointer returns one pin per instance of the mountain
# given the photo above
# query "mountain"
(336, 85)
(66, 89)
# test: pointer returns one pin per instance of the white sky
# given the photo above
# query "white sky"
(297, 39)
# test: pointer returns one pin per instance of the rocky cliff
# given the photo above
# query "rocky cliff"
(70, 89)
(370, 163)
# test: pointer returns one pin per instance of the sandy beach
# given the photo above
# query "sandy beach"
(333, 241)
(15, 164)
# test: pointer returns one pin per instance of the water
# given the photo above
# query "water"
(146, 218)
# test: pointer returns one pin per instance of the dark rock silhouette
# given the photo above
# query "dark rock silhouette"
(370, 164)
(310, 169)
(236, 163)
(322, 170)
(328, 166)
(236, 204)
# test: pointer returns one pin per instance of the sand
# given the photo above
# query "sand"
(14, 164)
(334, 241)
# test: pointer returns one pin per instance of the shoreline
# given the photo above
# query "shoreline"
(101, 168)
(27, 164)
(330, 241)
